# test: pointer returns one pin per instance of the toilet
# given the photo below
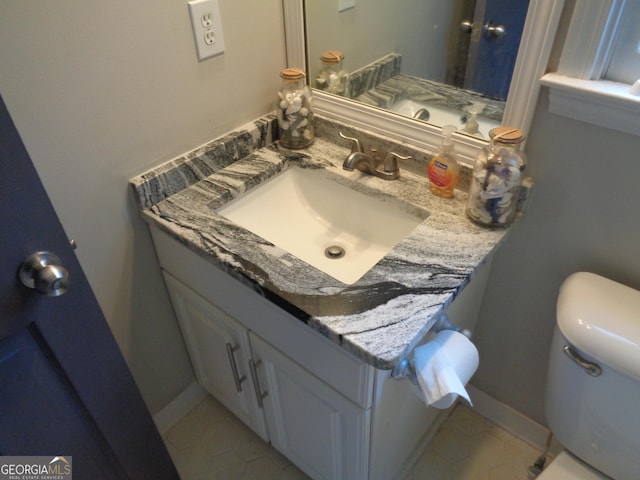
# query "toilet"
(593, 381)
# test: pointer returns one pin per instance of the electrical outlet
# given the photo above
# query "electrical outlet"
(207, 20)
(207, 27)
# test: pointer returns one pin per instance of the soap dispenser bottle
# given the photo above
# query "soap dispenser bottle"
(443, 169)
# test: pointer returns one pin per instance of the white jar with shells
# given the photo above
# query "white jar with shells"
(295, 110)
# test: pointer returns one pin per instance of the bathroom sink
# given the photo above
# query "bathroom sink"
(331, 226)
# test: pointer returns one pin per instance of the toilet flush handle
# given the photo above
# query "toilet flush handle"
(589, 367)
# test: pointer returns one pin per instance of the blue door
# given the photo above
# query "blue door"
(494, 48)
(65, 389)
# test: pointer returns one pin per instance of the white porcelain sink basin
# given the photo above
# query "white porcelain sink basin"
(304, 212)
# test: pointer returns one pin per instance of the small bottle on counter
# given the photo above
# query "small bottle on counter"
(332, 78)
(295, 110)
(497, 176)
(443, 169)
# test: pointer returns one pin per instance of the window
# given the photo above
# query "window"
(624, 65)
(600, 61)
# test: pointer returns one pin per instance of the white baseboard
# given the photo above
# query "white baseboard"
(179, 406)
(509, 419)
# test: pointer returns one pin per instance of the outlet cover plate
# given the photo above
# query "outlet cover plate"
(207, 28)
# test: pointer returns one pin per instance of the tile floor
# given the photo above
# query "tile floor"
(209, 443)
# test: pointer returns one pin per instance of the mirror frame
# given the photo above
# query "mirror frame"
(535, 47)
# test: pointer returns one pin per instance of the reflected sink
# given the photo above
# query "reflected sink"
(442, 116)
(305, 213)
(438, 115)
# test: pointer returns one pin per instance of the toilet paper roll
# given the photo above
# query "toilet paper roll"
(443, 366)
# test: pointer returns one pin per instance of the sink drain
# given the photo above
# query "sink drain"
(334, 252)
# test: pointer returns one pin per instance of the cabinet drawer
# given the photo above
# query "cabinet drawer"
(344, 372)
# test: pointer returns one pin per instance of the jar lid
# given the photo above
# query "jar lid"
(508, 135)
(332, 57)
(292, 74)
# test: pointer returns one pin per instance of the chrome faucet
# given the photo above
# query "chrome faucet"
(422, 114)
(368, 163)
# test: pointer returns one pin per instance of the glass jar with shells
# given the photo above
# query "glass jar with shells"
(295, 110)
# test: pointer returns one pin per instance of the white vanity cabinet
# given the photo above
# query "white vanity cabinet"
(317, 428)
(329, 412)
(293, 387)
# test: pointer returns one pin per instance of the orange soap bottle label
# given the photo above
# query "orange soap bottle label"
(439, 174)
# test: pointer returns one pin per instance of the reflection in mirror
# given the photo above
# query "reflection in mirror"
(447, 63)
(535, 46)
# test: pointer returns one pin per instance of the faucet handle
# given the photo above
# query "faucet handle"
(391, 162)
(356, 145)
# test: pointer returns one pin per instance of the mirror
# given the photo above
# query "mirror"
(324, 21)
(448, 63)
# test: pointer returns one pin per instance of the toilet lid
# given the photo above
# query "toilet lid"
(567, 467)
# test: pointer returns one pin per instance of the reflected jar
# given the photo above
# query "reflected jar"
(497, 176)
(295, 110)
(332, 78)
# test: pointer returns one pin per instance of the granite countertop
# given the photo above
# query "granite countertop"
(382, 316)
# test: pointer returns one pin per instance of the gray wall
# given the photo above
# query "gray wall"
(102, 91)
(583, 216)
(416, 29)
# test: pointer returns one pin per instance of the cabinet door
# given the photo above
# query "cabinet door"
(219, 351)
(322, 432)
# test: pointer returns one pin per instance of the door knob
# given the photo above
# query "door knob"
(43, 272)
(494, 31)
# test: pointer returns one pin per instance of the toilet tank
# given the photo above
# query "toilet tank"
(597, 418)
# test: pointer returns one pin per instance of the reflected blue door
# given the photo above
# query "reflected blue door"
(495, 55)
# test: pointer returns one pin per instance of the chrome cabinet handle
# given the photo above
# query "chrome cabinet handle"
(253, 366)
(591, 368)
(43, 271)
(234, 367)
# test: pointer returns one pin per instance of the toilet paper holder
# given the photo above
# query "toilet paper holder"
(405, 369)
